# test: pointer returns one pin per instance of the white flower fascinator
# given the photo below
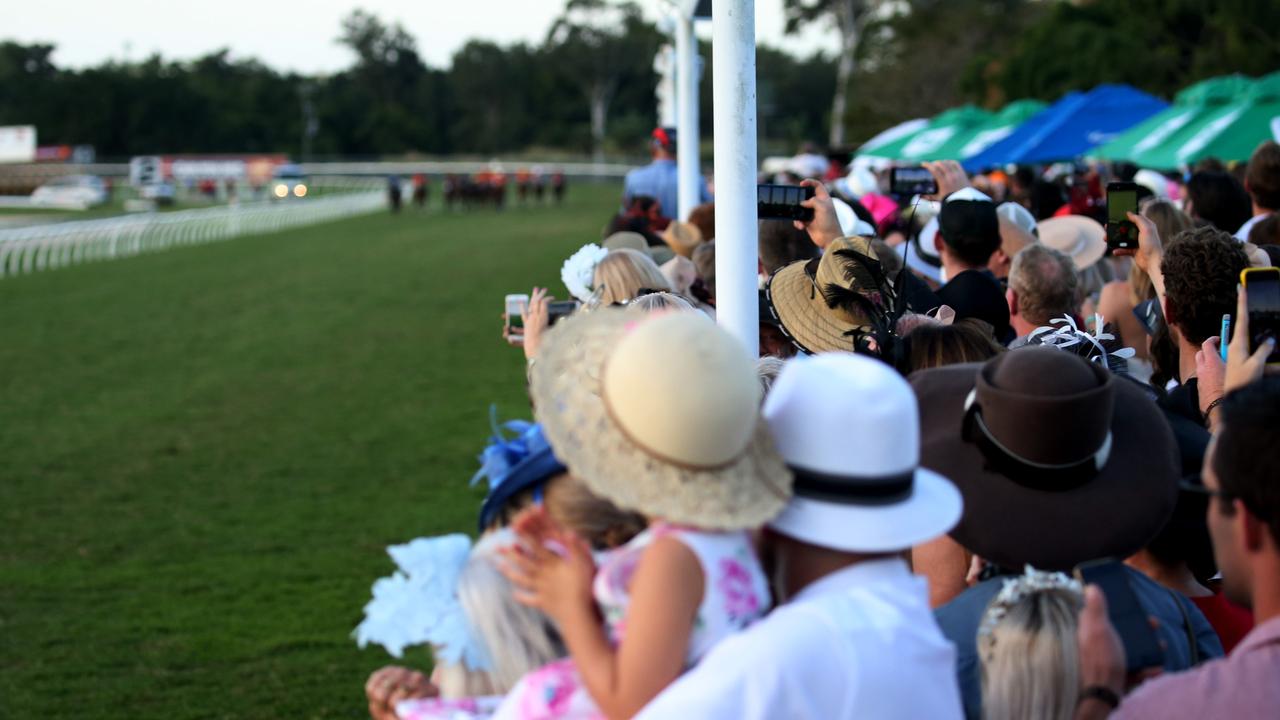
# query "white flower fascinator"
(418, 604)
(579, 271)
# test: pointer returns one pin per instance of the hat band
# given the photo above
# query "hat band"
(1028, 473)
(853, 489)
(930, 260)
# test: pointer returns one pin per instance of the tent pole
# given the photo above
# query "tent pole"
(734, 128)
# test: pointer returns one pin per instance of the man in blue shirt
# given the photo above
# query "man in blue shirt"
(660, 179)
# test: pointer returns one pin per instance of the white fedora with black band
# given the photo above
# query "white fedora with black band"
(849, 428)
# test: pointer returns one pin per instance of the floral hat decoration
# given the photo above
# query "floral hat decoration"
(511, 465)
(1100, 346)
(579, 271)
(1017, 589)
(418, 603)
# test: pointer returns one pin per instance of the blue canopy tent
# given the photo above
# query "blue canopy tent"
(1070, 127)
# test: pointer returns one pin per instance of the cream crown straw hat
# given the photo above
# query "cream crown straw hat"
(920, 255)
(682, 237)
(835, 302)
(659, 414)
(866, 496)
(1083, 239)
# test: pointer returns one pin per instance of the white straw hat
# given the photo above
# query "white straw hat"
(660, 414)
(849, 428)
(1082, 238)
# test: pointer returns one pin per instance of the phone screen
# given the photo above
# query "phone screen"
(513, 308)
(1141, 647)
(1120, 202)
(1263, 289)
(782, 202)
(914, 180)
(1122, 198)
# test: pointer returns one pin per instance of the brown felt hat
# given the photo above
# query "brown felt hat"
(811, 298)
(1059, 461)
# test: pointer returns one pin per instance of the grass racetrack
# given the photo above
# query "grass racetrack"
(204, 452)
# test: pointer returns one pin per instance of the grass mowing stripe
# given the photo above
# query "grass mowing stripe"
(205, 451)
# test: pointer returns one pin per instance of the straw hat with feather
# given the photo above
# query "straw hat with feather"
(836, 302)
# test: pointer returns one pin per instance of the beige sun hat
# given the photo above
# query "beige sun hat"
(682, 237)
(660, 414)
(1083, 239)
(813, 300)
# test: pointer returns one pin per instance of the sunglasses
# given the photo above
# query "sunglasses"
(1199, 488)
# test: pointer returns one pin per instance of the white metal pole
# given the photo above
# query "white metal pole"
(734, 126)
(690, 180)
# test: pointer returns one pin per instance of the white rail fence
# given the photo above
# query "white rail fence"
(55, 245)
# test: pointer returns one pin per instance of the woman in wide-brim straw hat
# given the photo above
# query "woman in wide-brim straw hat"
(659, 414)
(838, 302)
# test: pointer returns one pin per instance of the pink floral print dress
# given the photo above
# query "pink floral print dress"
(736, 595)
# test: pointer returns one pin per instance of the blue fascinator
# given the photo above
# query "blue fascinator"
(511, 465)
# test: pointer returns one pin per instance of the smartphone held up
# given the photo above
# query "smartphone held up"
(515, 307)
(782, 202)
(1122, 199)
(912, 180)
(1262, 289)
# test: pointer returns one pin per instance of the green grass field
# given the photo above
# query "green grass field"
(204, 452)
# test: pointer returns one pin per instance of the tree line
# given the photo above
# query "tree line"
(589, 86)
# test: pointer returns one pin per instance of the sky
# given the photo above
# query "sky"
(297, 36)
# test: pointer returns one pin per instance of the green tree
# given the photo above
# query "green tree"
(597, 47)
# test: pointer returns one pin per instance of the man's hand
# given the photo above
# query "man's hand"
(1102, 658)
(950, 176)
(824, 228)
(1210, 372)
(392, 684)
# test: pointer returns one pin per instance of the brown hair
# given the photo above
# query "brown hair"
(932, 345)
(623, 273)
(1262, 179)
(1201, 269)
(703, 217)
(571, 504)
(598, 521)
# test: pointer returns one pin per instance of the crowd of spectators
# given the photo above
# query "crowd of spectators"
(962, 403)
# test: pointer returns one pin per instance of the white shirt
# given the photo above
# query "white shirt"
(1243, 233)
(861, 642)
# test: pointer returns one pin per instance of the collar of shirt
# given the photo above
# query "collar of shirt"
(868, 571)
(1264, 634)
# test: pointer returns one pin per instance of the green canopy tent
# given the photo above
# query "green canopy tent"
(956, 133)
(1234, 131)
(1001, 125)
(1200, 114)
(941, 129)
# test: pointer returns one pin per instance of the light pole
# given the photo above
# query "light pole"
(734, 133)
(687, 166)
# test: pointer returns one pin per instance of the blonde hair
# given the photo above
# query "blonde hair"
(767, 369)
(1169, 222)
(661, 301)
(1030, 658)
(516, 637)
(623, 273)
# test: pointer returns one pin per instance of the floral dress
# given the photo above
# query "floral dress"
(736, 594)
